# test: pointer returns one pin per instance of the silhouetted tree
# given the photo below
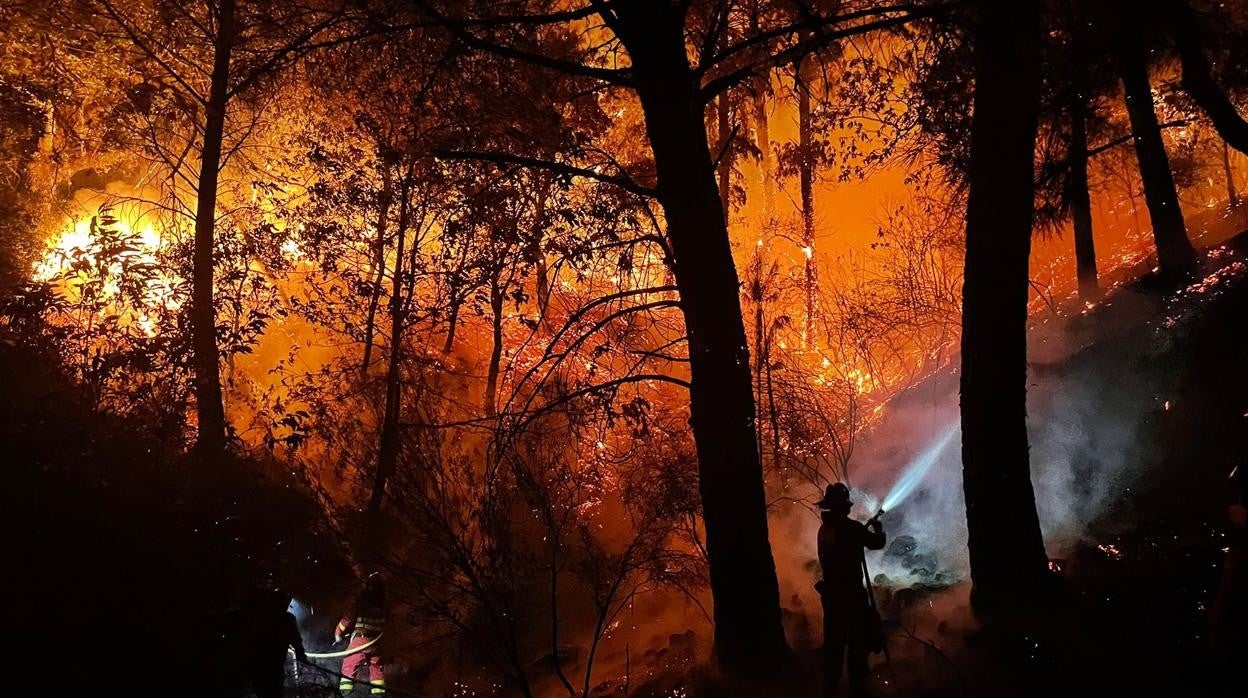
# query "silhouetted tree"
(1008, 561)
(196, 50)
(1175, 255)
(1199, 80)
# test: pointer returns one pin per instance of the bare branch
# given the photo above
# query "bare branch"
(615, 76)
(795, 52)
(498, 158)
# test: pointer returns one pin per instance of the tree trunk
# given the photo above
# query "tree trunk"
(455, 299)
(48, 132)
(452, 321)
(541, 268)
(1081, 201)
(496, 349)
(379, 260)
(209, 409)
(1077, 180)
(388, 448)
(748, 633)
(1175, 255)
(1198, 79)
(806, 175)
(723, 127)
(762, 135)
(757, 293)
(1232, 194)
(773, 413)
(1007, 554)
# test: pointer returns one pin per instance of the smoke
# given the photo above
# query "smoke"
(1088, 424)
(916, 454)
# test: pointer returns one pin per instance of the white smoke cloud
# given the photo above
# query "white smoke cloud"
(1089, 439)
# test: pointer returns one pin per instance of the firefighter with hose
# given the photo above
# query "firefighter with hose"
(851, 625)
(364, 624)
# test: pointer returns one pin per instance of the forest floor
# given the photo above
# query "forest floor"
(124, 548)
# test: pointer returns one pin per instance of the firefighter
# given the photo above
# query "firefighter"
(849, 621)
(271, 630)
(364, 624)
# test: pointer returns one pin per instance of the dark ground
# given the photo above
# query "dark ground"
(118, 576)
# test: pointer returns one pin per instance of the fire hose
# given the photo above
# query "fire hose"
(343, 653)
(390, 690)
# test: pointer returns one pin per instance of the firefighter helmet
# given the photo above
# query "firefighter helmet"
(835, 496)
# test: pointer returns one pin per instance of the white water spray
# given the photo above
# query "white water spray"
(917, 469)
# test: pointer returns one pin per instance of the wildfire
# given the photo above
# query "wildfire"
(113, 261)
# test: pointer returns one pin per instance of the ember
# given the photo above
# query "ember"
(1111, 551)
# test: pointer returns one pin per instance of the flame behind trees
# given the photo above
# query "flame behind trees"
(206, 57)
(470, 266)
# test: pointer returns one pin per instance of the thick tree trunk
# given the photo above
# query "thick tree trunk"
(1175, 255)
(748, 633)
(496, 348)
(1198, 78)
(388, 447)
(379, 262)
(1007, 554)
(806, 176)
(209, 409)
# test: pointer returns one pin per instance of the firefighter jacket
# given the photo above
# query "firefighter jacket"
(367, 619)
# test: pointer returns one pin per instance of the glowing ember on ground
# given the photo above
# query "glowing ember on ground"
(1111, 551)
